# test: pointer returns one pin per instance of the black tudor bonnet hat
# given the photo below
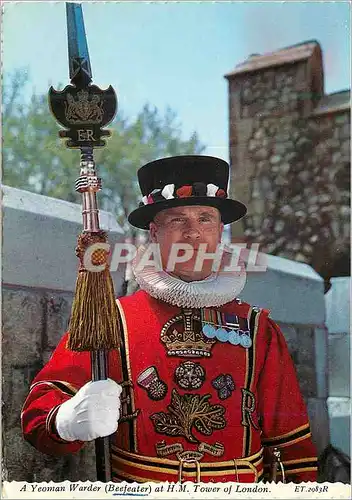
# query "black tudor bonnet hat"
(183, 181)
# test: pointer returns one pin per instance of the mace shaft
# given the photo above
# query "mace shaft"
(88, 184)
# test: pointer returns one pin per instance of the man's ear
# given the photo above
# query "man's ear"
(152, 232)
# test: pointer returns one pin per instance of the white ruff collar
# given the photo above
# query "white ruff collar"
(214, 291)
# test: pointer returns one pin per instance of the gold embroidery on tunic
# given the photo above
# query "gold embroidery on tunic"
(216, 450)
(189, 341)
(189, 411)
(163, 449)
(248, 408)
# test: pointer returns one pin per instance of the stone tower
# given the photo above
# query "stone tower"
(290, 158)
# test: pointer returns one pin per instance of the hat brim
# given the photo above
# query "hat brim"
(230, 210)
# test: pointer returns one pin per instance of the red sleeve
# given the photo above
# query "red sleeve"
(283, 413)
(59, 380)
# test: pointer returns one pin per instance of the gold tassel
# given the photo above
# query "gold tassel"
(95, 323)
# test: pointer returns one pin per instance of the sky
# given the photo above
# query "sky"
(173, 53)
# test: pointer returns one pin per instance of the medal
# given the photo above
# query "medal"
(234, 338)
(222, 335)
(245, 341)
(226, 327)
(209, 330)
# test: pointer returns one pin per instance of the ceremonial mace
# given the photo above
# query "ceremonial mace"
(83, 109)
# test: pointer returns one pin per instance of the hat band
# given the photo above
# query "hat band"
(197, 189)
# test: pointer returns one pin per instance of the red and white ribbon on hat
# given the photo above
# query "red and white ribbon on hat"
(168, 193)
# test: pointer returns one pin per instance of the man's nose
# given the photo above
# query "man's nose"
(191, 232)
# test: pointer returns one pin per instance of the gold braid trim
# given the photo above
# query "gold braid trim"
(60, 385)
(289, 438)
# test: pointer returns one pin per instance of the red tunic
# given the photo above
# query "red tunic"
(193, 407)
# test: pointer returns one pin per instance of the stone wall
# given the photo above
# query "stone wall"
(33, 322)
(290, 157)
(294, 294)
(339, 326)
(38, 281)
(301, 340)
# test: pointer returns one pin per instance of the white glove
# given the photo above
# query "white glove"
(91, 413)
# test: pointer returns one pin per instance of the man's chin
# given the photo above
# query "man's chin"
(189, 274)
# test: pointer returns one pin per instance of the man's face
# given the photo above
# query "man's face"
(192, 225)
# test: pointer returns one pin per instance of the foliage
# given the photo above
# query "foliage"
(188, 411)
(35, 159)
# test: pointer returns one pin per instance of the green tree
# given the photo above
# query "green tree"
(35, 159)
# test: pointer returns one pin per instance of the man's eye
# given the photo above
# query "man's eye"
(205, 219)
(177, 219)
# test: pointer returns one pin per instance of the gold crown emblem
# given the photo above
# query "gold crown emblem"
(86, 109)
(188, 342)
